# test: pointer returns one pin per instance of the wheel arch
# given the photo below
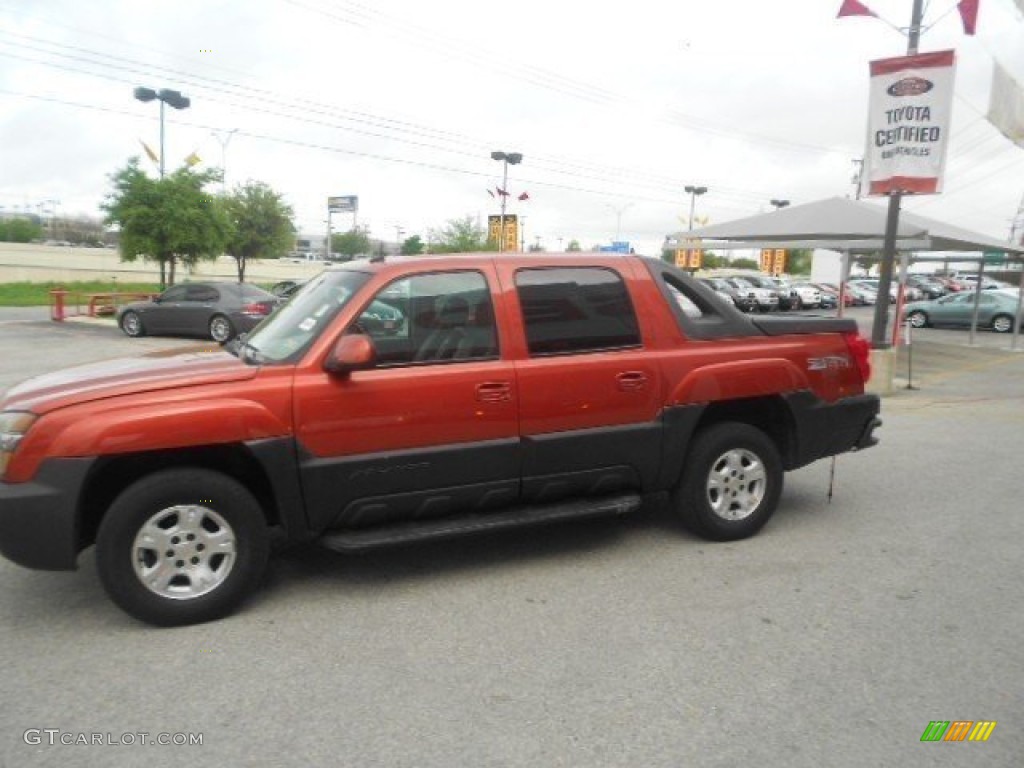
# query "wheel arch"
(771, 414)
(113, 474)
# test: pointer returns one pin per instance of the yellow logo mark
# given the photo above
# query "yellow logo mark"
(982, 730)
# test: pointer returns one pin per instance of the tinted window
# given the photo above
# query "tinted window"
(201, 293)
(432, 318)
(177, 293)
(575, 309)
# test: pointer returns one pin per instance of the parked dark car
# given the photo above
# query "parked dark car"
(218, 311)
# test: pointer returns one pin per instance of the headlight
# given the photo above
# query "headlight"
(13, 426)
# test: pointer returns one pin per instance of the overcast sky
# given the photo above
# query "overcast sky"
(615, 107)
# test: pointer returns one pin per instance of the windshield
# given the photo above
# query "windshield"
(287, 334)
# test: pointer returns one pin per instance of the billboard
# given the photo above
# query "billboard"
(344, 204)
(909, 116)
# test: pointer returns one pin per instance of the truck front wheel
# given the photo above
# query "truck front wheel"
(182, 546)
(731, 483)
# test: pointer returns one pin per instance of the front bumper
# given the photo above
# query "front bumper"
(39, 519)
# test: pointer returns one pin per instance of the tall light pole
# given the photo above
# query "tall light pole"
(507, 159)
(779, 203)
(166, 96)
(694, 192)
(619, 210)
(224, 137)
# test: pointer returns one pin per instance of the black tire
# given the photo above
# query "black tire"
(918, 319)
(131, 325)
(221, 329)
(1002, 323)
(198, 536)
(743, 465)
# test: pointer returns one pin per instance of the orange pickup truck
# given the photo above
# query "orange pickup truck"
(395, 400)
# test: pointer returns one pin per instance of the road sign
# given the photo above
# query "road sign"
(994, 257)
(344, 204)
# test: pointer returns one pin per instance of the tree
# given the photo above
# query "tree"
(799, 261)
(261, 224)
(745, 263)
(351, 243)
(867, 262)
(20, 230)
(573, 246)
(460, 236)
(169, 220)
(412, 246)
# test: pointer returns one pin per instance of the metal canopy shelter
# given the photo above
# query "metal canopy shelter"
(842, 225)
(851, 227)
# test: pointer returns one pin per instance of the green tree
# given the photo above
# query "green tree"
(261, 224)
(20, 230)
(867, 261)
(460, 236)
(412, 246)
(168, 220)
(573, 247)
(799, 261)
(351, 243)
(745, 263)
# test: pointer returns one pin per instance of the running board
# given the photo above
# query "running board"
(450, 527)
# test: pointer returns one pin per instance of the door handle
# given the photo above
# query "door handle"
(630, 381)
(494, 392)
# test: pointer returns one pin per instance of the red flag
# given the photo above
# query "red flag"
(968, 14)
(854, 8)
(524, 196)
(501, 191)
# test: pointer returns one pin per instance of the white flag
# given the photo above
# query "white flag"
(1006, 105)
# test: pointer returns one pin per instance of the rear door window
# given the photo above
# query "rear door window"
(571, 310)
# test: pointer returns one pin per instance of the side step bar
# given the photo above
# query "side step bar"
(449, 527)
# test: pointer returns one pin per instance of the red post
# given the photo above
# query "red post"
(57, 305)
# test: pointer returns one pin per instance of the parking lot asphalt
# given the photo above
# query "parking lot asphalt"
(832, 638)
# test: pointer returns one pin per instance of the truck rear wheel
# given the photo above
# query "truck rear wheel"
(731, 483)
(182, 546)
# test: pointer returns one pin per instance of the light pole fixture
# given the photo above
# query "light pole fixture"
(619, 210)
(779, 203)
(694, 192)
(166, 96)
(224, 137)
(506, 159)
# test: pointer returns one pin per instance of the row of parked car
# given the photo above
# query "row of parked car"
(753, 292)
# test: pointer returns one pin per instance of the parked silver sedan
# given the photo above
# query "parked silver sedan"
(218, 311)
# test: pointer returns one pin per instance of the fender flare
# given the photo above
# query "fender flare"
(739, 379)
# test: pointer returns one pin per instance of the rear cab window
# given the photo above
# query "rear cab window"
(573, 310)
(699, 311)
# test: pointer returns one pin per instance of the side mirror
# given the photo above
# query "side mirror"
(354, 352)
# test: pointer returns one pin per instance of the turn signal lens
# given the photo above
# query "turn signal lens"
(13, 426)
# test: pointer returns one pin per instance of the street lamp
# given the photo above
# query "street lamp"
(166, 96)
(507, 159)
(619, 210)
(224, 141)
(779, 203)
(694, 192)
